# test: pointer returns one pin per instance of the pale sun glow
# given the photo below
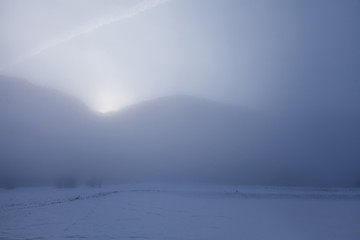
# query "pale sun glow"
(108, 101)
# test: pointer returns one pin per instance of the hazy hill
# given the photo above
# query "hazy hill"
(42, 130)
(45, 133)
(182, 137)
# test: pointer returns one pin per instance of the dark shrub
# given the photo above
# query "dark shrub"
(94, 182)
(7, 183)
(66, 182)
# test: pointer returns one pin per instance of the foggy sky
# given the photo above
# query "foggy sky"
(290, 70)
(254, 53)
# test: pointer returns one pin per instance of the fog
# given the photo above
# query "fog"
(231, 92)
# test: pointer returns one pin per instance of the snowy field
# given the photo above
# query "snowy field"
(180, 212)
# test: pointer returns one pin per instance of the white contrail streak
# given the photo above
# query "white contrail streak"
(143, 6)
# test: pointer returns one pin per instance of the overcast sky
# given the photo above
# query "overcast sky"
(112, 53)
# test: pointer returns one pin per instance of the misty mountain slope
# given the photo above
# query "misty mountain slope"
(200, 139)
(19, 97)
(183, 135)
(320, 145)
(181, 114)
(45, 133)
(40, 127)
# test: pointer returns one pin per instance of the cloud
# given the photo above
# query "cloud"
(138, 9)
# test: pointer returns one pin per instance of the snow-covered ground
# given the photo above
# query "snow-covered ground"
(180, 212)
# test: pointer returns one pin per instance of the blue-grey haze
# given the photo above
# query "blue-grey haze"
(276, 86)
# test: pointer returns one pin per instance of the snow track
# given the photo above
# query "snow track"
(180, 212)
